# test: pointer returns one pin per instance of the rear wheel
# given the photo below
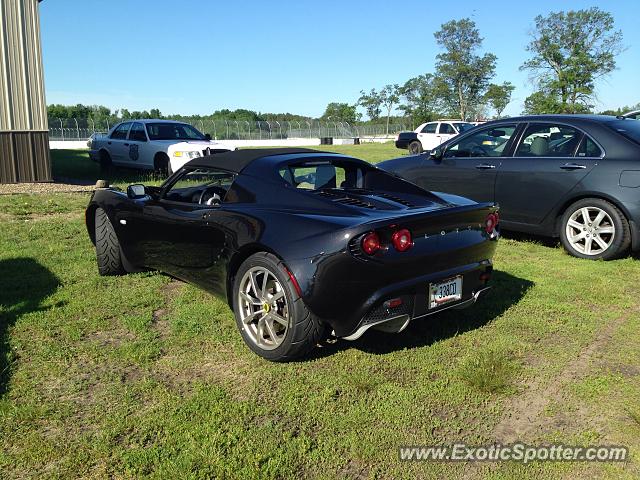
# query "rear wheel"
(107, 246)
(415, 147)
(273, 320)
(595, 229)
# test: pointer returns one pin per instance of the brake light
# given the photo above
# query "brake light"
(401, 240)
(371, 243)
(491, 222)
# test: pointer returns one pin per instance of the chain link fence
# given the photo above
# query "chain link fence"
(82, 129)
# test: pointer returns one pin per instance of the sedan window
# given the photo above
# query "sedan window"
(549, 141)
(488, 142)
(588, 148)
(137, 133)
(447, 129)
(203, 186)
(120, 133)
(429, 128)
(173, 131)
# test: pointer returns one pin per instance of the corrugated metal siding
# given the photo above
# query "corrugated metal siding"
(21, 157)
(22, 102)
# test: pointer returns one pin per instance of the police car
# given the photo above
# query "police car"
(162, 145)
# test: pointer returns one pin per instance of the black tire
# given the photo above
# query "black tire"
(304, 331)
(107, 246)
(415, 147)
(618, 244)
(161, 164)
(105, 160)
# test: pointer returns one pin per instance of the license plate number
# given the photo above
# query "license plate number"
(448, 291)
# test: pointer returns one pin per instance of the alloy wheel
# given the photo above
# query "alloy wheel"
(263, 308)
(590, 230)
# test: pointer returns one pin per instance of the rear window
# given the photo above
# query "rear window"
(319, 176)
(628, 128)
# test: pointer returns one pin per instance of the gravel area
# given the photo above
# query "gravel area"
(48, 187)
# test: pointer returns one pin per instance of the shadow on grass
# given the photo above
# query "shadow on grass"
(507, 291)
(24, 284)
(75, 167)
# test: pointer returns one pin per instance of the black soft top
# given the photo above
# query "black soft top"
(236, 161)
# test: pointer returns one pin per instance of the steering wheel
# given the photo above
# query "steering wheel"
(212, 196)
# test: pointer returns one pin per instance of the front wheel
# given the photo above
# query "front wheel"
(161, 164)
(107, 246)
(415, 147)
(595, 229)
(273, 320)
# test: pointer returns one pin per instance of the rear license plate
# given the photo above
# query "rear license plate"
(448, 291)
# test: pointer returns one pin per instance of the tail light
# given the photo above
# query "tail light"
(401, 240)
(371, 243)
(491, 222)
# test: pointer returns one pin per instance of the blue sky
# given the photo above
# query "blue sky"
(194, 57)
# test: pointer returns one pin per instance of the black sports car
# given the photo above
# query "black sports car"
(572, 176)
(301, 242)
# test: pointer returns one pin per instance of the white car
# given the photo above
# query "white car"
(162, 145)
(431, 134)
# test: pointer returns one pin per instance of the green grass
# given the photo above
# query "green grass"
(139, 376)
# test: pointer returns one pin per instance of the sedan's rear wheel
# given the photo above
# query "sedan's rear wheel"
(595, 229)
(273, 320)
(415, 147)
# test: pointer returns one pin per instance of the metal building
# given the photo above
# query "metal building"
(24, 133)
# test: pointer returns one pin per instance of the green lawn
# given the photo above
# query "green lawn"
(145, 376)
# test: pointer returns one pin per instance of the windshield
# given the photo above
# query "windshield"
(629, 128)
(463, 127)
(173, 131)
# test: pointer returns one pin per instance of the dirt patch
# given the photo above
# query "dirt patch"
(160, 320)
(224, 368)
(524, 412)
(111, 338)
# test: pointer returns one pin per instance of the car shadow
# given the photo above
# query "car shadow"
(507, 291)
(24, 284)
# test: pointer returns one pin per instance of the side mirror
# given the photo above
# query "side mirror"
(207, 136)
(436, 153)
(136, 191)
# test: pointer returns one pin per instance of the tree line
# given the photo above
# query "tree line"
(568, 53)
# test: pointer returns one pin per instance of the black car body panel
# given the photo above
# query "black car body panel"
(405, 138)
(316, 233)
(533, 192)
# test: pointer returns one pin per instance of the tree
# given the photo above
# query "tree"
(570, 52)
(499, 96)
(371, 102)
(421, 101)
(389, 97)
(462, 76)
(340, 112)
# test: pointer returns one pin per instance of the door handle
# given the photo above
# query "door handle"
(126, 144)
(485, 166)
(573, 166)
